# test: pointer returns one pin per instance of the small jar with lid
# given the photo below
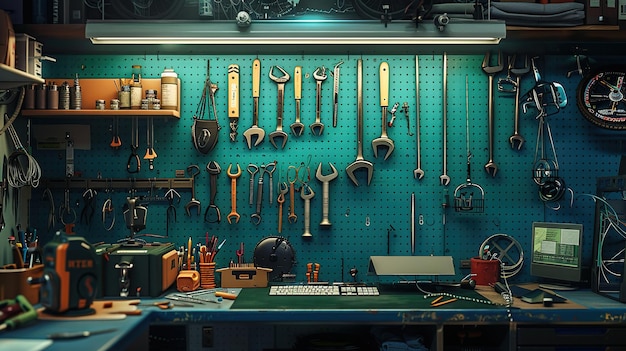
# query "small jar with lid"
(115, 104)
(100, 104)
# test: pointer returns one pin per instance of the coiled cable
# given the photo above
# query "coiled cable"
(22, 168)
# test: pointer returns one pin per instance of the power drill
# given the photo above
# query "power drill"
(70, 276)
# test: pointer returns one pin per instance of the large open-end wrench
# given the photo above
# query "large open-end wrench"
(517, 138)
(325, 179)
(233, 193)
(255, 130)
(297, 127)
(317, 127)
(491, 166)
(383, 141)
(360, 162)
(280, 84)
(306, 193)
(444, 178)
(418, 173)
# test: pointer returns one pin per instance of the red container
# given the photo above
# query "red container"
(486, 271)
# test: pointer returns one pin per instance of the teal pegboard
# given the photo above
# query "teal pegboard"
(374, 220)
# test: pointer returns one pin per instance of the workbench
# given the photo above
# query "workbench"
(256, 321)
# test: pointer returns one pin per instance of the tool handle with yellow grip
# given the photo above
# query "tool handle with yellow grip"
(384, 84)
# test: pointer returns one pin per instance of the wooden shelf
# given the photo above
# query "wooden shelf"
(13, 78)
(105, 89)
(100, 113)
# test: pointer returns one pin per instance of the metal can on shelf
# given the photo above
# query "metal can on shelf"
(156, 104)
(40, 96)
(100, 104)
(115, 104)
(64, 96)
(53, 97)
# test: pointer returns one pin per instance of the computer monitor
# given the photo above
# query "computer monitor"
(557, 254)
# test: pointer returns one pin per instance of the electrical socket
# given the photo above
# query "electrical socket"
(465, 264)
(207, 336)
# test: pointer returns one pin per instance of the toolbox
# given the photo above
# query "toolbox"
(137, 270)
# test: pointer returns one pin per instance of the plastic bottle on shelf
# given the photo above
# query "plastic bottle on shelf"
(169, 89)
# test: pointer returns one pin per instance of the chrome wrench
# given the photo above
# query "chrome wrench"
(418, 173)
(317, 127)
(491, 166)
(383, 140)
(255, 130)
(325, 179)
(306, 193)
(280, 83)
(297, 127)
(444, 178)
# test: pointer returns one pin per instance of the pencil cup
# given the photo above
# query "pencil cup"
(207, 275)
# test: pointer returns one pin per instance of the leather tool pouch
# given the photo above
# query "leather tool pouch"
(204, 134)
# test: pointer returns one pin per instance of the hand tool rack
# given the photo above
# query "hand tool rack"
(127, 183)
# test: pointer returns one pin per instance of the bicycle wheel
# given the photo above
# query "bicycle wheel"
(601, 97)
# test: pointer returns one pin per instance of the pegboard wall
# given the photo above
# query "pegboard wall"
(366, 220)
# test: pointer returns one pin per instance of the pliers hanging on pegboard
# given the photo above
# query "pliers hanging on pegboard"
(170, 195)
(86, 214)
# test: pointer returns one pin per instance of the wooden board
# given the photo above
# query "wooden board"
(105, 310)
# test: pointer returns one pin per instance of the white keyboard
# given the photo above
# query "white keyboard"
(323, 290)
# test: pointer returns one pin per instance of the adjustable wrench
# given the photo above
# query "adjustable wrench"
(491, 167)
(280, 84)
(418, 173)
(255, 130)
(233, 100)
(325, 179)
(336, 92)
(444, 178)
(297, 127)
(360, 162)
(517, 138)
(317, 128)
(233, 194)
(306, 193)
(256, 216)
(383, 140)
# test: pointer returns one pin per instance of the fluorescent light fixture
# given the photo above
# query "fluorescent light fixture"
(295, 32)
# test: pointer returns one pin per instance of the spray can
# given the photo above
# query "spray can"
(169, 89)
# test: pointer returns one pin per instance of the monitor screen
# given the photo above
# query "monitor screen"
(557, 252)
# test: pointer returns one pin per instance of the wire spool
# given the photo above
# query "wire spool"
(507, 250)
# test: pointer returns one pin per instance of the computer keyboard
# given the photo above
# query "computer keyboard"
(323, 290)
